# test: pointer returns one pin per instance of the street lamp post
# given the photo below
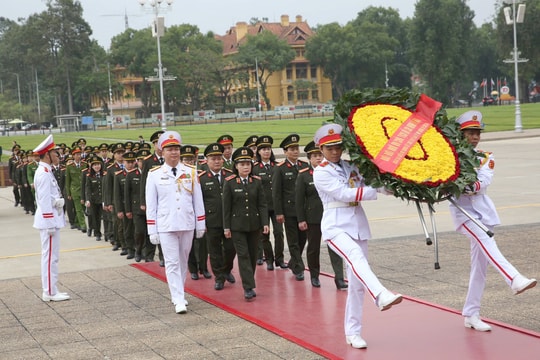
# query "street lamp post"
(157, 31)
(19, 93)
(513, 19)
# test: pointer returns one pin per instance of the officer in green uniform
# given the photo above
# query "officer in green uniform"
(94, 194)
(12, 163)
(227, 142)
(309, 210)
(245, 216)
(149, 163)
(33, 163)
(198, 255)
(120, 176)
(117, 238)
(220, 249)
(132, 201)
(264, 168)
(73, 187)
(284, 194)
(251, 142)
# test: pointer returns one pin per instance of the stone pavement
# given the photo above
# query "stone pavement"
(118, 312)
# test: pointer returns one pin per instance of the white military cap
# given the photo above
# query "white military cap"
(470, 120)
(169, 138)
(45, 146)
(329, 134)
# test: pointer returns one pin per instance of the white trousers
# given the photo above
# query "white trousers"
(50, 252)
(360, 276)
(484, 251)
(176, 246)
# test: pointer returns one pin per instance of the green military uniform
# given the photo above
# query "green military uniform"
(73, 190)
(220, 250)
(132, 202)
(226, 140)
(12, 163)
(265, 172)
(30, 172)
(309, 208)
(245, 214)
(120, 177)
(283, 195)
(94, 197)
(117, 237)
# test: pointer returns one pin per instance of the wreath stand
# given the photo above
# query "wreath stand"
(434, 227)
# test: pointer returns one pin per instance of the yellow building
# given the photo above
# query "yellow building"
(281, 89)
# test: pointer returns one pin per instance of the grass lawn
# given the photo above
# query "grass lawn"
(496, 118)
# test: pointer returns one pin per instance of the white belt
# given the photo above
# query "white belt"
(340, 204)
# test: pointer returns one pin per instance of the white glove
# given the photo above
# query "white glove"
(154, 239)
(51, 231)
(59, 203)
(199, 234)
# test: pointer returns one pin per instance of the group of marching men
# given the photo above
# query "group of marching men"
(104, 191)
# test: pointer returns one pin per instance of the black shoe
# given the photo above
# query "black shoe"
(281, 264)
(148, 260)
(315, 282)
(137, 258)
(124, 252)
(115, 247)
(83, 230)
(98, 238)
(33, 213)
(299, 276)
(16, 204)
(260, 261)
(162, 263)
(249, 294)
(73, 227)
(130, 256)
(341, 284)
(230, 278)
(89, 232)
(206, 274)
(270, 266)
(27, 212)
(194, 276)
(218, 286)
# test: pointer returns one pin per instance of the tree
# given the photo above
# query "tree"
(270, 53)
(303, 87)
(440, 40)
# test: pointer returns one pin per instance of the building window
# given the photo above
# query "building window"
(290, 94)
(301, 71)
(313, 73)
(289, 73)
(315, 95)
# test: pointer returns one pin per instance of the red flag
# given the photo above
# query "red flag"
(498, 82)
(483, 83)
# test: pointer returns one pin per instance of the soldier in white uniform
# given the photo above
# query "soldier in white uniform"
(484, 249)
(174, 209)
(346, 230)
(49, 218)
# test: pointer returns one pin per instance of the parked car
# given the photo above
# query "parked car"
(488, 100)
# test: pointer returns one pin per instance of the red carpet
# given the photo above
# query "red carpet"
(313, 318)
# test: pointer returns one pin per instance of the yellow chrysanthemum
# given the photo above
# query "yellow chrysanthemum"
(431, 160)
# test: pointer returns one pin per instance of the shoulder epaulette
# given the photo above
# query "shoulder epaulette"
(109, 166)
(118, 172)
(191, 166)
(148, 157)
(281, 163)
(202, 162)
(227, 170)
(324, 163)
(229, 178)
(132, 170)
(303, 170)
(202, 173)
(256, 177)
(155, 168)
(256, 163)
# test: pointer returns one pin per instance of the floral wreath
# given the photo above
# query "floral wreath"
(400, 140)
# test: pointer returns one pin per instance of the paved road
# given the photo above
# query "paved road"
(118, 312)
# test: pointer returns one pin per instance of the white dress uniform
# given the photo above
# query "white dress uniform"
(346, 230)
(484, 249)
(49, 215)
(174, 209)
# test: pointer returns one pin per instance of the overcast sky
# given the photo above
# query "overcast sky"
(106, 17)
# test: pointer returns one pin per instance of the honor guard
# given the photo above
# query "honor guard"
(74, 185)
(94, 195)
(115, 227)
(251, 142)
(120, 177)
(484, 250)
(345, 229)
